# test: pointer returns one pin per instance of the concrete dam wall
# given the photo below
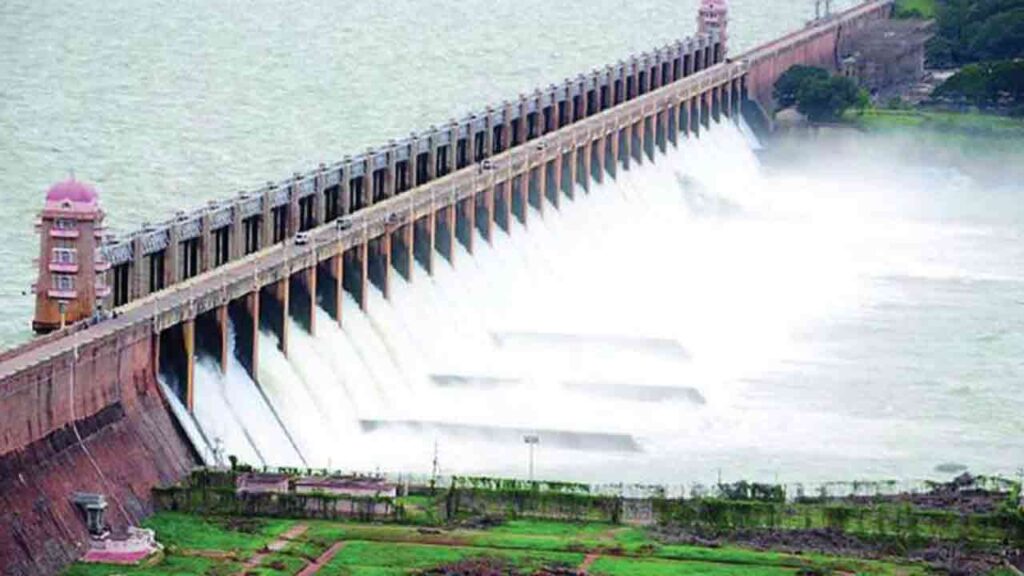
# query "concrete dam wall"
(90, 420)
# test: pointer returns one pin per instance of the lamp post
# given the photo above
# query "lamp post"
(531, 440)
(1020, 487)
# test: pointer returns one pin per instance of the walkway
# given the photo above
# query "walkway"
(322, 560)
(587, 563)
(276, 546)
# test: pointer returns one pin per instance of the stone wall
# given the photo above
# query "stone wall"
(129, 444)
(816, 45)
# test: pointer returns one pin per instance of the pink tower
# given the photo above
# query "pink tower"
(71, 271)
(714, 16)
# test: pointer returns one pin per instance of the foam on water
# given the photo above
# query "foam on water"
(543, 309)
(653, 329)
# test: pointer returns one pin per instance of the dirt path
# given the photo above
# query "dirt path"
(322, 560)
(277, 545)
(587, 563)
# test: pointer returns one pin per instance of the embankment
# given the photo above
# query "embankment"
(110, 435)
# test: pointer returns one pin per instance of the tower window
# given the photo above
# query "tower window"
(64, 255)
(63, 283)
(64, 224)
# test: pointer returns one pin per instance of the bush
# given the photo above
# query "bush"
(986, 84)
(787, 86)
(827, 100)
(817, 95)
(901, 12)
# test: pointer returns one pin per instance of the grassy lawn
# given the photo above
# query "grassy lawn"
(403, 556)
(393, 549)
(196, 533)
(951, 122)
(170, 565)
(606, 566)
(925, 8)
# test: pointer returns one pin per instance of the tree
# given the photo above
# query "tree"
(975, 30)
(787, 86)
(999, 37)
(985, 84)
(825, 100)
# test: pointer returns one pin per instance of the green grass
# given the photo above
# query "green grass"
(197, 533)
(551, 528)
(417, 556)
(183, 535)
(385, 550)
(924, 8)
(949, 122)
(606, 566)
(171, 565)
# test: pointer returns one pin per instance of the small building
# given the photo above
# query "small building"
(887, 58)
(93, 506)
(353, 486)
(262, 483)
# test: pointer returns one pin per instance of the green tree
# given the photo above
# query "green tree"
(971, 84)
(986, 84)
(999, 37)
(975, 30)
(825, 100)
(787, 86)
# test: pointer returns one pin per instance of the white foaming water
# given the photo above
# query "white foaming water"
(654, 329)
(557, 327)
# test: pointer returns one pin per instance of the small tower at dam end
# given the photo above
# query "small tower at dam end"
(712, 17)
(71, 269)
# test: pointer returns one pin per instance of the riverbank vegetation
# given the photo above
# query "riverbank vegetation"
(984, 39)
(968, 124)
(967, 526)
(226, 545)
(987, 85)
(971, 31)
(818, 95)
(914, 9)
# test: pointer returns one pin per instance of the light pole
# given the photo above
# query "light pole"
(1020, 488)
(531, 440)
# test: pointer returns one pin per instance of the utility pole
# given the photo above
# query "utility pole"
(531, 440)
(1020, 488)
(435, 468)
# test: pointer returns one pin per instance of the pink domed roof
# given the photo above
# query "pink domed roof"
(72, 190)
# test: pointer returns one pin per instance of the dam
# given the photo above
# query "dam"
(248, 293)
